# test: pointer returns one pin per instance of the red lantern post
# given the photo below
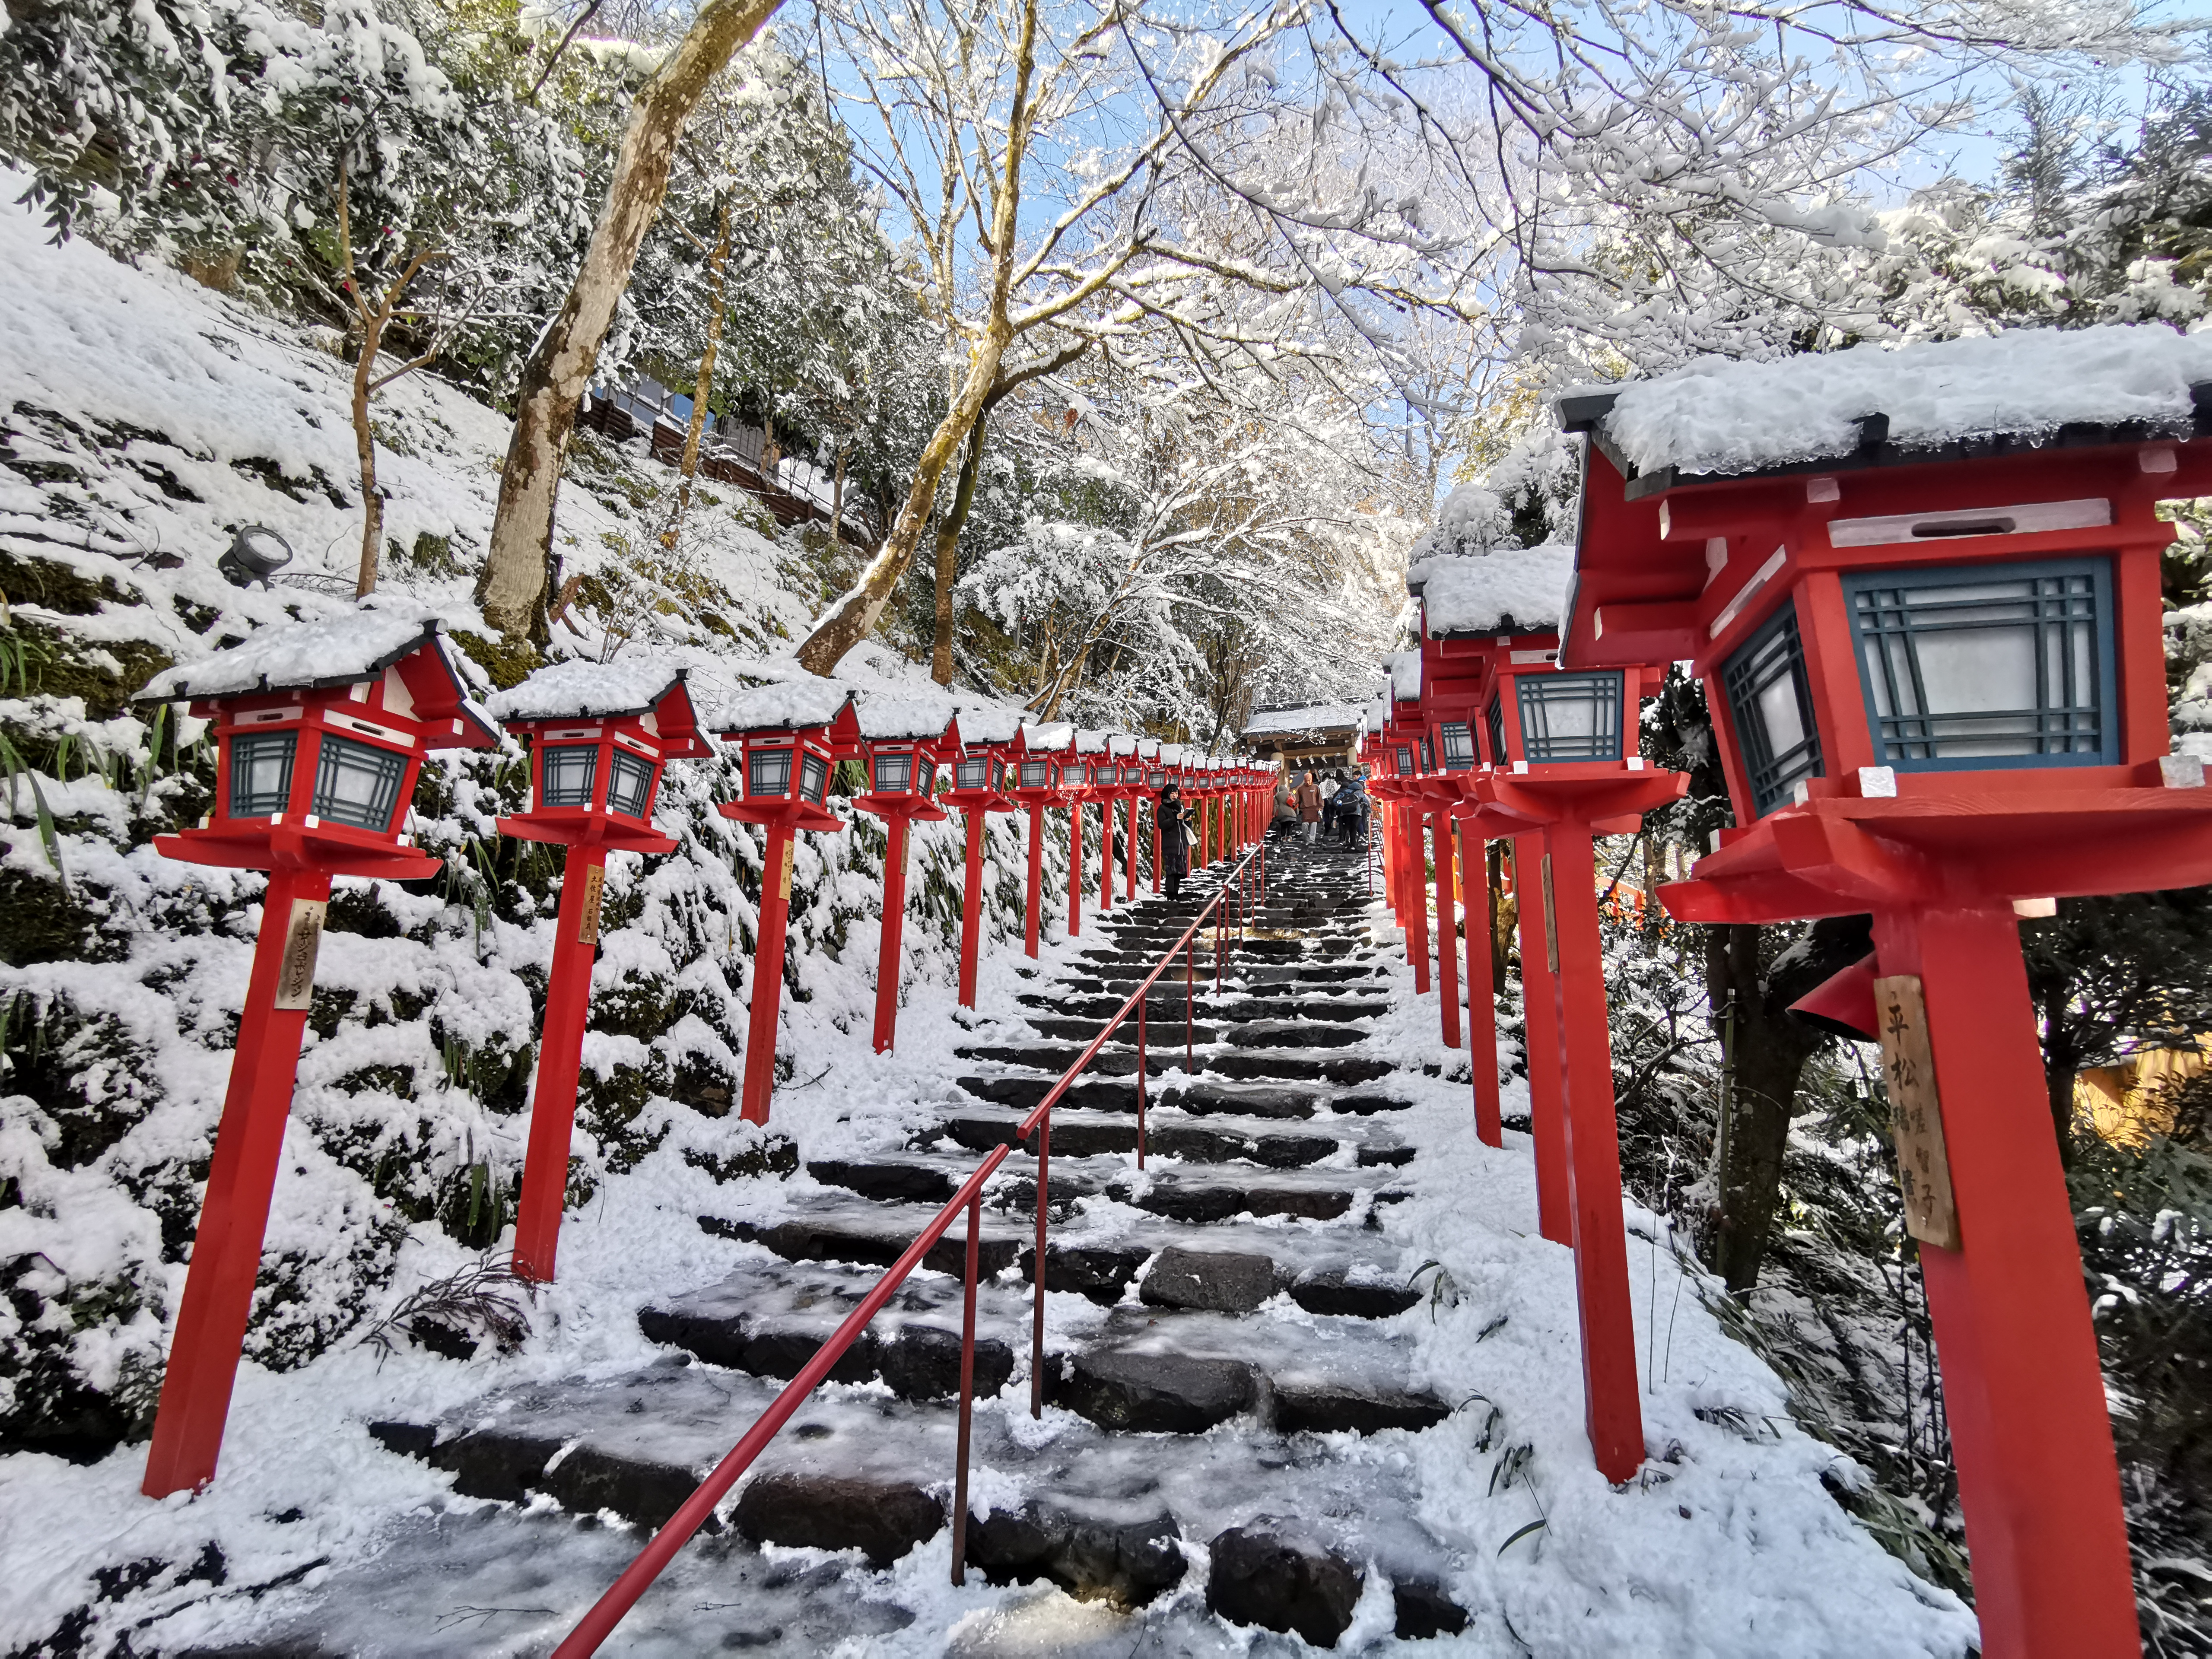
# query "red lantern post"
(599, 736)
(1934, 664)
(982, 780)
(1159, 764)
(1092, 776)
(1044, 751)
(1564, 770)
(901, 744)
(320, 730)
(790, 736)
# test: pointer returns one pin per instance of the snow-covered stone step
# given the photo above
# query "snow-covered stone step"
(1194, 1192)
(1329, 1266)
(1206, 1095)
(1173, 1133)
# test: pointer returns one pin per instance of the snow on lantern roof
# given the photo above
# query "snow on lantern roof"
(1405, 668)
(787, 705)
(1121, 743)
(585, 691)
(1316, 717)
(341, 649)
(1718, 417)
(1171, 754)
(1378, 713)
(903, 719)
(1051, 738)
(1094, 742)
(1148, 749)
(1510, 590)
(992, 723)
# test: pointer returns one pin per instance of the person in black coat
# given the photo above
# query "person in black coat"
(1171, 835)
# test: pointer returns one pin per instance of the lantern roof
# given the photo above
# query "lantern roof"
(1508, 590)
(1319, 719)
(1171, 754)
(342, 649)
(1122, 744)
(590, 691)
(993, 723)
(1877, 405)
(906, 720)
(1148, 749)
(789, 705)
(1094, 742)
(1049, 737)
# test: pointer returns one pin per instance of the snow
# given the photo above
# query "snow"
(337, 650)
(1715, 415)
(788, 705)
(1472, 520)
(1049, 737)
(579, 690)
(1405, 668)
(1319, 717)
(1508, 590)
(889, 718)
(988, 723)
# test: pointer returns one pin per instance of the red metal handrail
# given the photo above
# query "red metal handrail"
(609, 1610)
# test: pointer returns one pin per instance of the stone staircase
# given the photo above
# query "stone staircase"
(1221, 1343)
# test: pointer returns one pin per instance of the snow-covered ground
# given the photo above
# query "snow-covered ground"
(145, 416)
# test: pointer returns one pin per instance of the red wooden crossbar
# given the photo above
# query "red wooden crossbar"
(622, 1595)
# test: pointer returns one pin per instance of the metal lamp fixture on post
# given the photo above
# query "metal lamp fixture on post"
(901, 745)
(599, 736)
(1934, 660)
(789, 737)
(320, 730)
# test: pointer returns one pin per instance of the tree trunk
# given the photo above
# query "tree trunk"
(717, 262)
(948, 548)
(2061, 1063)
(364, 443)
(847, 622)
(1768, 1052)
(559, 370)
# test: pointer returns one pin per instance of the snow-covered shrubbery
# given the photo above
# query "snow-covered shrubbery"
(148, 418)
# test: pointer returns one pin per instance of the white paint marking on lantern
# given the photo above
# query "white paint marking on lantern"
(1635, 763)
(1520, 766)
(1800, 793)
(2156, 461)
(1823, 489)
(1535, 656)
(1878, 783)
(2181, 771)
(2034, 909)
(1759, 578)
(368, 729)
(2021, 518)
(397, 698)
(311, 822)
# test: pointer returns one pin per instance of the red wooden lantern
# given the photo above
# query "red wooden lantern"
(1930, 639)
(1045, 752)
(1404, 737)
(1564, 769)
(983, 780)
(320, 730)
(790, 737)
(902, 745)
(599, 735)
(1092, 776)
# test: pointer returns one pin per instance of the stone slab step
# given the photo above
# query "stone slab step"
(1171, 1133)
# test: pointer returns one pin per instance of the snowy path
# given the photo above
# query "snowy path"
(1250, 1410)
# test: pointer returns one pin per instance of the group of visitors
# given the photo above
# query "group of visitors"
(1331, 805)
